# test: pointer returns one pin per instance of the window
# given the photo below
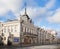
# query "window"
(8, 29)
(2, 24)
(12, 28)
(4, 29)
(26, 29)
(29, 30)
(23, 29)
(15, 28)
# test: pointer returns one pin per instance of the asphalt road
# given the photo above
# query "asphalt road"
(34, 47)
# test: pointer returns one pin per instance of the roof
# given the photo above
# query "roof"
(12, 20)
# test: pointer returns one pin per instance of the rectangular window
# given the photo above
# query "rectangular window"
(8, 29)
(23, 29)
(11, 28)
(31, 30)
(15, 28)
(4, 29)
(4, 38)
(26, 29)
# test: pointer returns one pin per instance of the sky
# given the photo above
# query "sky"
(44, 13)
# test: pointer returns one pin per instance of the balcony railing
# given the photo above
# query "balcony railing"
(27, 33)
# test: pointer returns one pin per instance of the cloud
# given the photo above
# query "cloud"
(50, 4)
(33, 12)
(37, 12)
(1, 21)
(14, 6)
(47, 28)
(9, 5)
(55, 18)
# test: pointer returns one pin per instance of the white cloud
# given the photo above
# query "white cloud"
(6, 5)
(14, 5)
(1, 21)
(55, 18)
(50, 4)
(33, 12)
(47, 28)
(37, 11)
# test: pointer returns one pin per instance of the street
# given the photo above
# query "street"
(34, 47)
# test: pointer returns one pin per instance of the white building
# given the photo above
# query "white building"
(24, 31)
(11, 28)
(20, 31)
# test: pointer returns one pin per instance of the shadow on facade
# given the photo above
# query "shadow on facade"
(9, 43)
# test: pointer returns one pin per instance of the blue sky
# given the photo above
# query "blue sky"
(45, 13)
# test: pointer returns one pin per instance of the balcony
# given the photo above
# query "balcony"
(30, 34)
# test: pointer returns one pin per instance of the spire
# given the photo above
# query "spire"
(25, 8)
(25, 14)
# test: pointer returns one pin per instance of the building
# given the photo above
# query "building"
(11, 30)
(29, 31)
(20, 31)
(1, 34)
(1, 28)
(23, 31)
(46, 36)
(52, 36)
(58, 40)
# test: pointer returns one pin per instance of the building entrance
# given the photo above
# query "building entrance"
(27, 40)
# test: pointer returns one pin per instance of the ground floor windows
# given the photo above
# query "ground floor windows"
(30, 40)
